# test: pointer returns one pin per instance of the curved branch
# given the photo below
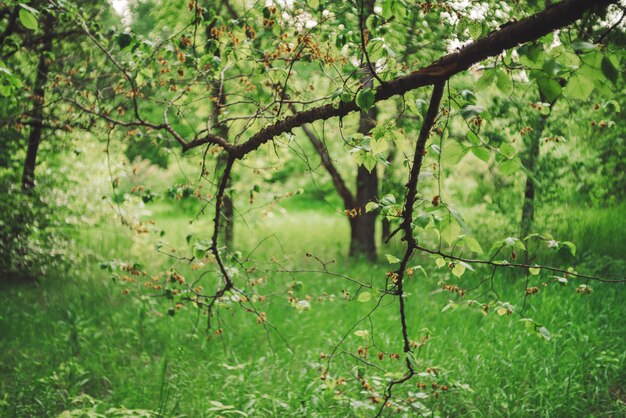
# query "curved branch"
(525, 30)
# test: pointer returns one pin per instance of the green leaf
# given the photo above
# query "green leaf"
(609, 70)
(486, 80)
(582, 46)
(508, 150)
(470, 111)
(452, 153)
(570, 245)
(422, 221)
(475, 29)
(440, 262)
(28, 19)
(379, 146)
(392, 259)
(473, 244)
(612, 106)
(508, 167)
(370, 206)
(458, 270)
(367, 160)
(364, 297)
(549, 88)
(579, 87)
(450, 230)
(534, 270)
(504, 83)
(388, 200)
(530, 54)
(473, 138)
(124, 39)
(482, 153)
(365, 99)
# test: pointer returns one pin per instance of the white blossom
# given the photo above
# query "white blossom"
(520, 76)
(454, 44)
(556, 41)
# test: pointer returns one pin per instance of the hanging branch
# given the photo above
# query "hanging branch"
(407, 216)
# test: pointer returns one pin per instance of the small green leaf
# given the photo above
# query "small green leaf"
(458, 270)
(612, 106)
(582, 46)
(388, 200)
(473, 244)
(365, 99)
(508, 167)
(504, 83)
(549, 88)
(473, 138)
(508, 150)
(579, 87)
(124, 39)
(570, 245)
(370, 206)
(28, 19)
(481, 153)
(534, 270)
(452, 153)
(609, 70)
(423, 220)
(440, 262)
(475, 29)
(364, 297)
(470, 111)
(486, 80)
(392, 259)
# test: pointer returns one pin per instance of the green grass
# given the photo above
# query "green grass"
(74, 342)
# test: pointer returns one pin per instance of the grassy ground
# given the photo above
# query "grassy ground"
(76, 343)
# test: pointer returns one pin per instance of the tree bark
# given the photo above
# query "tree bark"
(37, 113)
(363, 225)
(217, 92)
(528, 208)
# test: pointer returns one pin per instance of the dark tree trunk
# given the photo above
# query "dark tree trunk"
(363, 225)
(228, 212)
(218, 93)
(37, 112)
(531, 161)
(528, 209)
(228, 209)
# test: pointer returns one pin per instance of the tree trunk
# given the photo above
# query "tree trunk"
(37, 113)
(218, 93)
(228, 212)
(528, 209)
(363, 225)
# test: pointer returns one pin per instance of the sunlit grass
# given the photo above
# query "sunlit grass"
(78, 334)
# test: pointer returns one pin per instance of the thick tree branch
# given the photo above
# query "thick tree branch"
(525, 30)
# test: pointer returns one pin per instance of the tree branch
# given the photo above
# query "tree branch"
(525, 30)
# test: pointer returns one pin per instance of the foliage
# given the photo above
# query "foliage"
(274, 104)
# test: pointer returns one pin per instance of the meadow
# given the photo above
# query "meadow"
(76, 345)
